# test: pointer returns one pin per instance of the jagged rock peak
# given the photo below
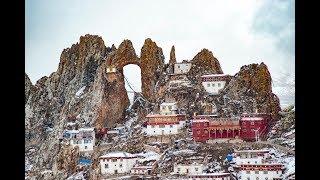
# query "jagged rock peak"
(152, 63)
(206, 60)
(256, 77)
(113, 47)
(172, 56)
(125, 54)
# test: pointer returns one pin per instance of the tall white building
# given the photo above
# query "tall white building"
(84, 138)
(117, 163)
(182, 68)
(214, 83)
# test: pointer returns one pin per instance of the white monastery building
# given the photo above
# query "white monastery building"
(214, 83)
(187, 169)
(250, 156)
(84, 138)
(181, 68)
(117, 163)
(256, 164)
(167, 122)
(266, 171)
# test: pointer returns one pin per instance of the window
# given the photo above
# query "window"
(121, 160)
(266, 178)
(178, 66)
(178, 169)
(248, 178)
(171, 126)
(219, 84)
(169, 107)
(106, 166)
(265, 172)
(161, 126)
(114, 160)
(213, 84)
(196, 169)
(208, 84)
(120, 165)
(257, 178)
(248, 172)
(152, 126)
(256, 172)
(85, 147)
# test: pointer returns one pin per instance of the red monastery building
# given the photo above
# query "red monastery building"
(205, 127)
(254, 126)
(250, 127)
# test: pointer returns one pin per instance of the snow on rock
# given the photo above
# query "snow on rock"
(184, 151)
(80, 91)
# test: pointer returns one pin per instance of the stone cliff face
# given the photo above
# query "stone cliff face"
(251, 86)
(152, 66)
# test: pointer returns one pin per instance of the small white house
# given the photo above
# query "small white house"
(214, 83)
(168, 108)
(265, 171)
(182, 68)
(84, 138)
(186, 169)
(117, 162)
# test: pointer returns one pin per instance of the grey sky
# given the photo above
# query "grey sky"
(238, 33)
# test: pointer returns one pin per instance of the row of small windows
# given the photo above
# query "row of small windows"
(264, 172)
(86, 141)
(213, 84)
(164, 107)
(113, 160)
(106, 166)
(161, 126)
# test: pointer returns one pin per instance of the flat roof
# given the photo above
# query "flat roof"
(161, 115)
(118, 154)
(215, 75)
(252, 150)
(168, 103)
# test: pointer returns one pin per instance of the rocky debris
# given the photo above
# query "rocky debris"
(67, 159)
(251, 87)
(283, 132)
(203, 63)
(152, 66)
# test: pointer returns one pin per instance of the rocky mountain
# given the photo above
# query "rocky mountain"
(83, 90)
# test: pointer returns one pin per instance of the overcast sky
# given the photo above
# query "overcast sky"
(237, 32)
